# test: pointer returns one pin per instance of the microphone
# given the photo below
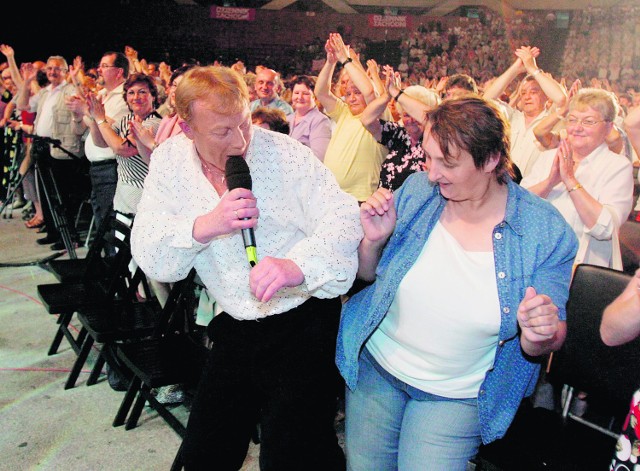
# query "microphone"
(237, 174)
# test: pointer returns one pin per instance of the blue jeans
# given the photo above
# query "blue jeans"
(393, 426)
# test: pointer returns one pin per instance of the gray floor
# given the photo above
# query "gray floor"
(44, 427)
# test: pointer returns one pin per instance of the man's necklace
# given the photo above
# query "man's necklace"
(216, 173)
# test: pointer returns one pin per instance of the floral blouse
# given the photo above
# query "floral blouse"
(403, 158)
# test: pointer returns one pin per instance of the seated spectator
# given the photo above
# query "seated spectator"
(308, 124)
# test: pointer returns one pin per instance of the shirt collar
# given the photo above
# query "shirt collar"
(59, 87)
(511, 215)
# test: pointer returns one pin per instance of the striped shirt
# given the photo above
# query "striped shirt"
(133, 170)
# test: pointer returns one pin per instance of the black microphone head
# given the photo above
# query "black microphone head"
(237, 173)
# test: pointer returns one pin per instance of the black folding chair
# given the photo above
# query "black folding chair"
(92, 291)
(124, 320)
(609, 375)
(174, 354)
(96, 263)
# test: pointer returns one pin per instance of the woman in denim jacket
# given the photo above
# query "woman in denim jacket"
(470, 279)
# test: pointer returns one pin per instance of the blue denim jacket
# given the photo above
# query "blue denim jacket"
(533, 246)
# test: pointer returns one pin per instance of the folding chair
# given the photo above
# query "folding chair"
(66, 298)
(96, 263)
(124, 320)
(609, 375)
(173, 355)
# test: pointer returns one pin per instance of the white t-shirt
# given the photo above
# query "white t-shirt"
(441, 331)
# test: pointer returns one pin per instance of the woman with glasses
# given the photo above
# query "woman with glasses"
(588, 183)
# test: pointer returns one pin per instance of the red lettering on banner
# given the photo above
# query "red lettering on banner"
(388, 21)
(231, 13)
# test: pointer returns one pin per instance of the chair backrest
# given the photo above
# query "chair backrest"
(118, 277)
(178, 315)
(584, 361)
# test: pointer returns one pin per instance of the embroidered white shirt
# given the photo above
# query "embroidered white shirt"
(304, 217)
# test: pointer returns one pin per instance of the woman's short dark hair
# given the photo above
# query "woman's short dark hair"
(464, 81)
(142, 79)
(183, 69)
(274, 117)
(476, 126)
(305, 80)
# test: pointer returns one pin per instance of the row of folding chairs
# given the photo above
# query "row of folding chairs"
(145, 344)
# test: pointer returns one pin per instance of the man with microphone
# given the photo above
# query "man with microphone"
(274, 332)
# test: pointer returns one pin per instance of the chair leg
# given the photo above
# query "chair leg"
(75, 342)
(97, 367)
(80, 361)
(62, 321)
(568, 397)
(125, 405)
(132, 421)
(177, 464)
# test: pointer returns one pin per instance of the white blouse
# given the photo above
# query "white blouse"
(607, 177)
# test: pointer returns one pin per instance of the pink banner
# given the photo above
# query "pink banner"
(387, 21)
(231, 13)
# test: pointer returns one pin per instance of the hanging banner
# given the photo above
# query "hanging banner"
(388, 21)
(231, 13)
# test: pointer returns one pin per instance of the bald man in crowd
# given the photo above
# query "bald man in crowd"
(266, 87)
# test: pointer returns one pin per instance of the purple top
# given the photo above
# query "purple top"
(313, 130)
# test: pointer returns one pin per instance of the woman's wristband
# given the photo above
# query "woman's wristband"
(398, 95)
(536, 72)
(346, 61)
(102, 121)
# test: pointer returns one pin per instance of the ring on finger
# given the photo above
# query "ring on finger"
(235, 211)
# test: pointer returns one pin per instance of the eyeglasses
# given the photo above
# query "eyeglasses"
(107, 66)
(587, 123)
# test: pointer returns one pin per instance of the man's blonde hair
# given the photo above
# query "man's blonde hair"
(219, 89)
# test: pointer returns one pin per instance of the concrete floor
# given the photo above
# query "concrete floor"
(44, 427)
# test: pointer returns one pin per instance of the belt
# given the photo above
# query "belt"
(100, 163)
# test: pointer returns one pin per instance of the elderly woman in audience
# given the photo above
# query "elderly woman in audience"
(590, 185)
(308, 124)
(552, 128)
(404, 141)
(354, 156)
(431, 373)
